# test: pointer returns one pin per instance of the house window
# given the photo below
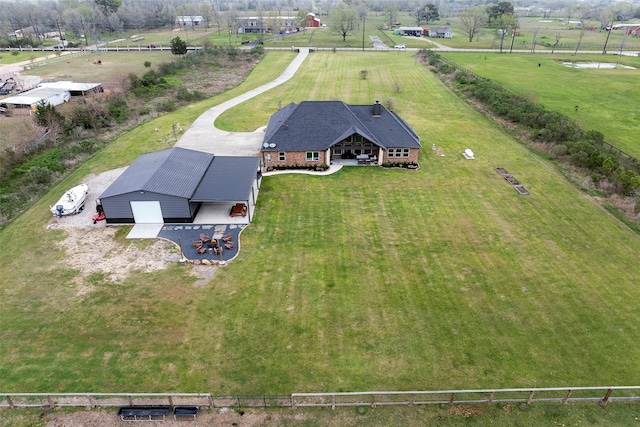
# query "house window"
(282, 156)
(398, 152)
(357, 138)
(337, 151)
(313, 156)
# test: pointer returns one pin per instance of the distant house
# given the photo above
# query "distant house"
(251, 26)
(310, 21)
(632, 31)
(171, 186)
(441, 33)
(410, 31)
(189, 21)
(313, 133)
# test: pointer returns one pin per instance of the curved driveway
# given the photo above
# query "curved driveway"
(202, 135)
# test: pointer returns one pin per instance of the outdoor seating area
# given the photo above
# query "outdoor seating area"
(204, 244)
(365, 159)
(239, 209)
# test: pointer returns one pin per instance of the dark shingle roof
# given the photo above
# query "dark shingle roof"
(318, 125)
(174, 172)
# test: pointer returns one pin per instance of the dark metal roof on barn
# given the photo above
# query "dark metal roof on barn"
(175, 172)
(228, 179)
(193, 175)
(318, 125)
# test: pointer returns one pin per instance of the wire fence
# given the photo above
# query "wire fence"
(564, 395)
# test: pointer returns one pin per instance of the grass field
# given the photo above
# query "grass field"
(608, 100)
(363, 280)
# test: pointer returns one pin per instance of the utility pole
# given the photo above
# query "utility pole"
(604, 49)
(364, 20)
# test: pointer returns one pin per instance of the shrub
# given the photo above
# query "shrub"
(257, 50)
(559, 150)
(166, 105)
(117, 107)
(39, 175)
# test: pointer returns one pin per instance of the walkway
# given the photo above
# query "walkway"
(202, 135)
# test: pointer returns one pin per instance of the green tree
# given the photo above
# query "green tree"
(427, 13)
(497, 10)
(343, 20)
(178, 46)
(46, 115)
(108, 6)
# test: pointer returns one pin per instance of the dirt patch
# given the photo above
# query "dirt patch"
(94, 248)
(465, 411)
(102, 418)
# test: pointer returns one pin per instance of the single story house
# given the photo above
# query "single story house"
(313, 133)
(411, 31)
(189, 21)
(171, 185)
(251, 26)
(441, 33)
(310, 21)
(31, 98)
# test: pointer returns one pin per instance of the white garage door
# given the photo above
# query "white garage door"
(147, 212)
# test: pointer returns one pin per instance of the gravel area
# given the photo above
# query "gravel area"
(112, 258)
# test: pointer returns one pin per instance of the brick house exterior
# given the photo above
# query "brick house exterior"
(315, 133)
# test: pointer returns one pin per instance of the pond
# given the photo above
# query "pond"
(602, 65)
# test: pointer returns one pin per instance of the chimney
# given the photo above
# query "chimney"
(377, 108)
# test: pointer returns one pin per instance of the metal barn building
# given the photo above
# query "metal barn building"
(170, 186)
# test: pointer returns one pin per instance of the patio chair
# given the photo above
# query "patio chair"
(226, 237)
(197, 244)
(228, 245)
(204, 237)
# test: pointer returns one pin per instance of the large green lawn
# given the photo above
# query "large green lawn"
(367, 279)
(608, 100)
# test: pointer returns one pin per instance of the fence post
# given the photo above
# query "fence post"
(50, 401)
(530, 399)
(170, 398)
(333, 401)
(606, 397)
(452, 397)
(211, 403)
(10, 402)
(566, 398)
(373, 400)
(491, 396)
(130, 400)
(92, 403)
(413, 399)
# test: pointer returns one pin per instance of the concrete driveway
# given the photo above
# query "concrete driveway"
(202, 135)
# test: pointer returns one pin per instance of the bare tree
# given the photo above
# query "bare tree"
(553, 48)
(472, 20)
(534, 38)
(343, 20)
